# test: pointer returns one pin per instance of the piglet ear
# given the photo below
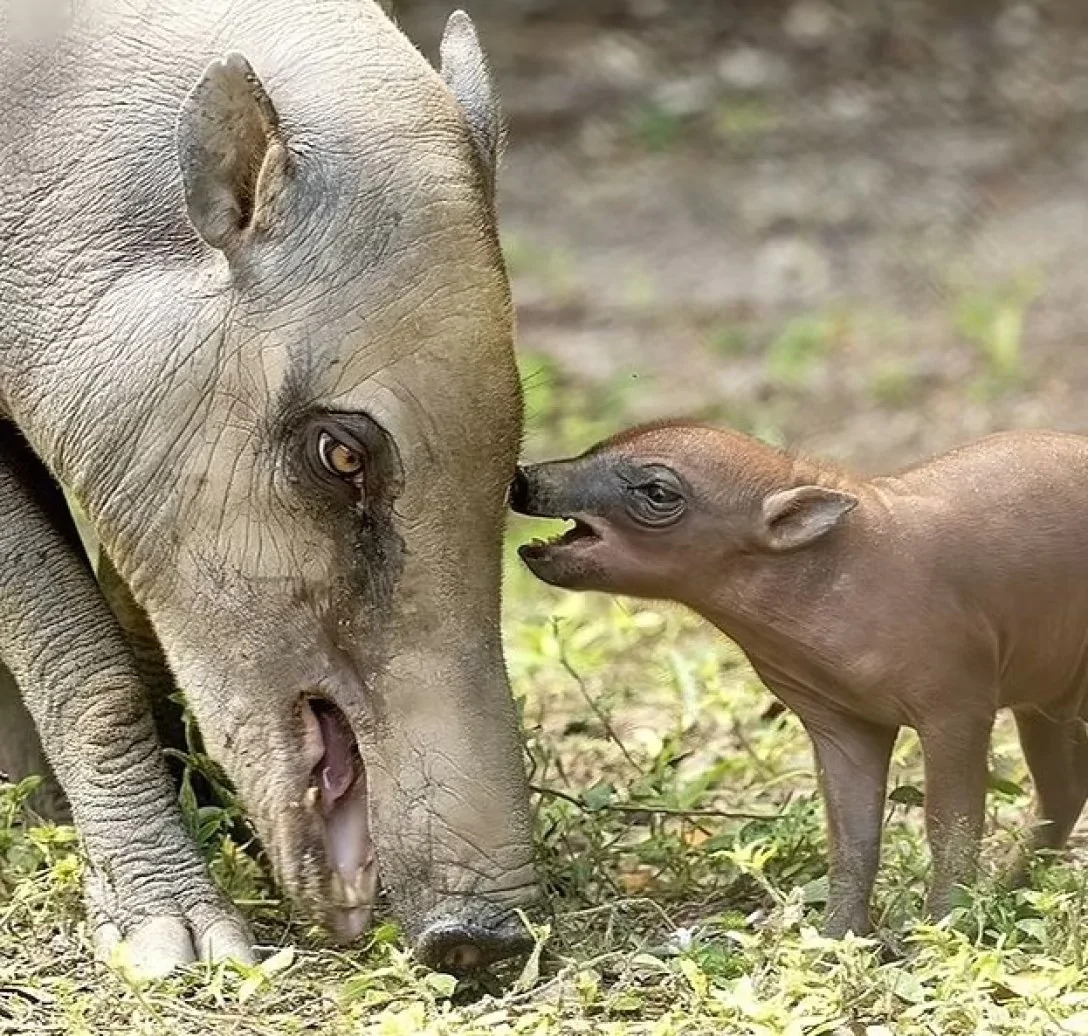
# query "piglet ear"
(793, 518)
(465, 70)
(230, 152)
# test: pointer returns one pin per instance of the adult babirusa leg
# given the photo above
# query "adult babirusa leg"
(82, 687)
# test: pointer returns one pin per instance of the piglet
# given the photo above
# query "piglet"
(928, 599)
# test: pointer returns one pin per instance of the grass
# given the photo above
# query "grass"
(992, 320)
(682, 851)
(655, 128)
(745, 120)
(556, 268)
(893, 384)
(802, 344)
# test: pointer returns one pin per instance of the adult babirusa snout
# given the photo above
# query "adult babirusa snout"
(450, 798)
(467, 946)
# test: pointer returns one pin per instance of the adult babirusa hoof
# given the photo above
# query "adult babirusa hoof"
(153, 946)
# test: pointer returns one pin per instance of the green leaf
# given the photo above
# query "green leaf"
(250, 986)
(27, 786)
(907, 987)
(625, 1003)
(698, 981)
(1006, 787)
(587, 984)
(599, 796)
(815, 892)
(1034, 928)
(907, 795)
(387, 933)
(440, 984)
(281, 960)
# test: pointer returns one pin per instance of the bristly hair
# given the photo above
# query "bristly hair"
(796, 468)
(660, 424)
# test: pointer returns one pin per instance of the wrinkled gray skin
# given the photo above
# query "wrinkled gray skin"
(255, 321)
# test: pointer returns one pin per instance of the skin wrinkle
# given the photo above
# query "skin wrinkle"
(211, 454)
(100, 682)
(193, 422)
(198, 496)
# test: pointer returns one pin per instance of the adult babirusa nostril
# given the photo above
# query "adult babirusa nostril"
(463, 958)
(460, 949)
(519, 491)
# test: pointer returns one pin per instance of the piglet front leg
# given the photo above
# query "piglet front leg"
(954, 749)
(852, 757)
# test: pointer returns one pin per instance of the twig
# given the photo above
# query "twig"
(760, 764)
(567, 969)
(602, 717)
(618, 904)
(634, 807)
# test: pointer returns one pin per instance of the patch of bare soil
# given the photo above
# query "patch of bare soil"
(857, 227)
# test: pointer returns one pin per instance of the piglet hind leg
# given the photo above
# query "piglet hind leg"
(954, 751)
(852, 758)
(1056, 752)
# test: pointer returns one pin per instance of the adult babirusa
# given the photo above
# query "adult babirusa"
(254, 319)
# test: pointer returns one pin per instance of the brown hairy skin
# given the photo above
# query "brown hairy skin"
(927, 599)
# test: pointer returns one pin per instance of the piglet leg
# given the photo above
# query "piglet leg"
(954, 749)
(1056, 752)
(852, 758)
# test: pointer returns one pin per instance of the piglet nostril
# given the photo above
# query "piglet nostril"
(518, 494)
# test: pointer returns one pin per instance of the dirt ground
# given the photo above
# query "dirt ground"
(853, 227)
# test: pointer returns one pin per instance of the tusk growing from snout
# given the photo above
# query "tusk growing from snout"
(362, 891)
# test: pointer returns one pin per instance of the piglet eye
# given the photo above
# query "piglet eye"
(659, 494)
(338, 458)
(657, 502)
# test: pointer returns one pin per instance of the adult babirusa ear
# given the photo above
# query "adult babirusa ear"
(231, 155)
(793, 518)
(466, 72)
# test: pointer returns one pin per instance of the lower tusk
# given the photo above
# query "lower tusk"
(363, 889)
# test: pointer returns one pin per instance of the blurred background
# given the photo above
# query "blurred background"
(857, 228)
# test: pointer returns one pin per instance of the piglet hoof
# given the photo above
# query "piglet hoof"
(151, 947)
(890, 947)
(1017, 870)
(837, 924)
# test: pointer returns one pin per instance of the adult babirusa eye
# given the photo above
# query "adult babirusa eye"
(338, 458)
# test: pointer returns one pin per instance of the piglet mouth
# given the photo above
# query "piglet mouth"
(580, 534)
(338, 793)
